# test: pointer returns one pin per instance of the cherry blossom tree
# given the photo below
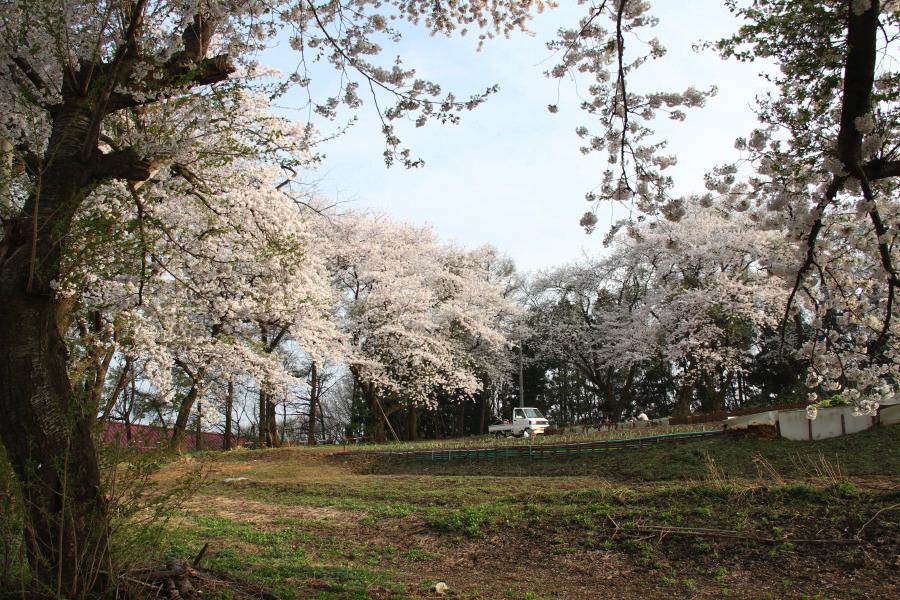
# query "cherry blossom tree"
(823, 165)
(249, 259)
(420, 319)
(581, 316)
(710, 297)
(99, 94)
(694, 297)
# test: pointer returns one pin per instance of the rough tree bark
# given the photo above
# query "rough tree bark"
(46, 427)
(377, 425)
(685, 399)
(379, 421)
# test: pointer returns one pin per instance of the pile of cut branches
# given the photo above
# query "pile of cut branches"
(180, 580)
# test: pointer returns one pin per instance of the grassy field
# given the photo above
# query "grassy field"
(491, 441)
(711, 518)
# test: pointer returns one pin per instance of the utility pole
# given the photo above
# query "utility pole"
(521, 380)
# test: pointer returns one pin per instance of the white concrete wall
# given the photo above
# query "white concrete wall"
(855, 424)
(827, 423)
(890, 415)
(794, 424)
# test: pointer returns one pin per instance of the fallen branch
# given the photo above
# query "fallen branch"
(176, 570)
(875, 516)
(154, 587)
(724, 533)
(616, 525)
(180, 581)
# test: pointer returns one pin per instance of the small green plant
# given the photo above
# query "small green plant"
(836, 400)
(419, 555)
(668, 581)
(782, 548)
(646, 551)
(846, 489)
(473, 521)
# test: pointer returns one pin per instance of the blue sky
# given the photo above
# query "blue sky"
(510, 174)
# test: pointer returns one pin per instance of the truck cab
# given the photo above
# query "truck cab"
(526, 421)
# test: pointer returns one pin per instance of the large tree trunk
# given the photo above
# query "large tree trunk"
(711, 397)
(46, 427)
(685, 398)
(626, 395)
(379, 432)
(198, 432)
(268, 428)
(47, 435)
(120, 386)
(184, 411)
(375, 424)
(610, 401)
(272, 438)
(263, 419)
(376, 412)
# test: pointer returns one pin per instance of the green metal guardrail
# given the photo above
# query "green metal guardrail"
(538, 451)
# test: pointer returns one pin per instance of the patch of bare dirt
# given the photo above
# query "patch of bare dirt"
(252, 511)
(520, 561)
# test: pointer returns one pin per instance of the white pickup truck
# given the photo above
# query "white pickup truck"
(525, 422)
